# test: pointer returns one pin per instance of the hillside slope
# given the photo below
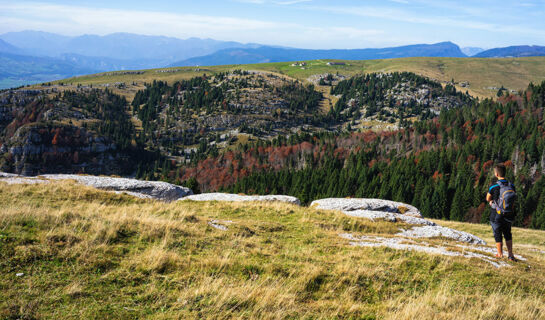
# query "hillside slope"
(71, 251)
(265, 54)
(480, 77)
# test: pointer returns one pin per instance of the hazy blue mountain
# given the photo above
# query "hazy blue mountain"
(16, 70)
(471, 51)
(274, 54)
(101, 64)
(37, 43)
(513, 51)
(8, 48)
(35, 56)
(124, 46)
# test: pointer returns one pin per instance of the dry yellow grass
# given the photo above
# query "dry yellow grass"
(93, 254)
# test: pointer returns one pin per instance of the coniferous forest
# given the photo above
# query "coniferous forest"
(442, 166)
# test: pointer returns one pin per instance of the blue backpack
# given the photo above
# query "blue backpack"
(505, 205)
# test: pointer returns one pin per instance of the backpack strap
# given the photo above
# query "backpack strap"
(499, 183)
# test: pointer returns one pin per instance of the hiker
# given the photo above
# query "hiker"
(501, 197)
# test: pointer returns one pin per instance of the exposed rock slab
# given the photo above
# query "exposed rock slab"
(351, 204)
(23, 180)
(487, 250)
(138, 188)
(217, 196)
(393, 211)
(220, 224)
(7, 175)
(146, 189)
(388, 216)
(439, 231)
(400, 243)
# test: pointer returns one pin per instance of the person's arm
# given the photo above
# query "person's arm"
(489, 199)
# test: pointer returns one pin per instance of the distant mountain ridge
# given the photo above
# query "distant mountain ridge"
(8, 48)
(266, 54)
(513, 51)
(33, 56)
(124, 46)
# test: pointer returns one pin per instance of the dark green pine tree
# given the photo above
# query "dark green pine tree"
(439, 201)
(457, 209)
(538, 218)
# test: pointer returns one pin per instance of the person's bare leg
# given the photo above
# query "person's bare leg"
(499, 246)
(509, 245)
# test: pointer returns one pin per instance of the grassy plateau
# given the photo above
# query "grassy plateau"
(482, 74)
(73, 252)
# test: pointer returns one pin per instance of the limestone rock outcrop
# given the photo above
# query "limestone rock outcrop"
(140, 188)
(351, 204)
(392, 211)
(235, 197)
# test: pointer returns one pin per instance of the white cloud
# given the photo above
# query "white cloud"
(77, 20)
(396, 14)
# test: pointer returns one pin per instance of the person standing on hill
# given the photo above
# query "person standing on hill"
(501, 196)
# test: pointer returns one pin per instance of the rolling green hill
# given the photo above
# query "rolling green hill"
(481, 74)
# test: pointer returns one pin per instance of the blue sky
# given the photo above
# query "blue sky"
(295, 23)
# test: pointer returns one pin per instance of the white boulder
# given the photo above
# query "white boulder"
(439, 231)
(146, 189)
(138, 188)
(351, 204)
(217, 196)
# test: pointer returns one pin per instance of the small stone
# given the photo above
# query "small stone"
(20, 274)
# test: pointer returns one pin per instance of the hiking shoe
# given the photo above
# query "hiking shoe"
(512, 258)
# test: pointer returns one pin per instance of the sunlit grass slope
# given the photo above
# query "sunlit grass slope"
(481, 73)
(89, 254)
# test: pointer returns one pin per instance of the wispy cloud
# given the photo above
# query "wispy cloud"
(79, 20)
(282, 3)
(401, 15)
(76, 20)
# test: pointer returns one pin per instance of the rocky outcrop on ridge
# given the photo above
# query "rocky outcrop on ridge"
(143, 189)
(235, 197)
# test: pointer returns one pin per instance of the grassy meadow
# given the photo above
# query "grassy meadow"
(90, 254)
